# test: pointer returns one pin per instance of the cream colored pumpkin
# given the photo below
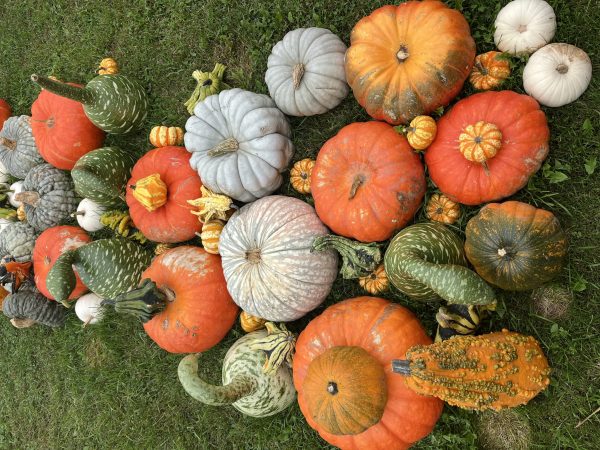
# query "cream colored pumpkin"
(523, 26)
(240, 144)
(88, 309)
(557, 74)
(267, 260)
(88, 215)
(15, 188)
(305, 72)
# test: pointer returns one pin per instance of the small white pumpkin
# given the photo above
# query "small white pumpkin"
(16, 187)
(88, 309)
(523, 26)
(557, 74)
(4, 175)
(305, 72)
(240, 144)
(88, 215)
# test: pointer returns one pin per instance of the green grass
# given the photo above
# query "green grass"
(110, 387)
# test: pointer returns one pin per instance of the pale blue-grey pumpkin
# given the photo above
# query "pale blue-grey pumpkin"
(18, 152)
(17, 240)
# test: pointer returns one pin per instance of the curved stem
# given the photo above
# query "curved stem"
(358, 181)
(143, 302)
(358, 259)
(8, 143)
(207, 393)
(28, 197)
(227, 146)
(82, 95)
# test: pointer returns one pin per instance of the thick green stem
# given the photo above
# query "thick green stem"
(78, 94)
(8, 214)
(143, 302)
(401, 366)
(200, 390)
(358, 259)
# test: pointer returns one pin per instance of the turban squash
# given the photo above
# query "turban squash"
(408, 60)
(342, 372)
(488, 146)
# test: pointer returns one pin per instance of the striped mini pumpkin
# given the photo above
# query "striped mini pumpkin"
(211, 231)
(162, 136)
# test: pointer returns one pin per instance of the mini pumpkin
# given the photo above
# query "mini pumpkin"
(421, 132)
(108, 66)
(211, 232)
(441, 209)
(489, 71)
(300, 175)
(376, 282)
(163, 136)
(250, 323)
(88, 215)
(18, 149)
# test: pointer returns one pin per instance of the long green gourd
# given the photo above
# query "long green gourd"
(108, 267)
(426, 261)
(101, 175)
(114, 103)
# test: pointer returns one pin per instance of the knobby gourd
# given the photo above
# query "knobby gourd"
(17, 240)
(18, 149)
(108, 66)
(28, 306)
(208, 83)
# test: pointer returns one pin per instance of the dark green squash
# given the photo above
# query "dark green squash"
(515, 246)
(29, 303)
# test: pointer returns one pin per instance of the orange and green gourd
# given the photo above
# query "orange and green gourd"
(492, 371)
(489, 71)
(250, 323)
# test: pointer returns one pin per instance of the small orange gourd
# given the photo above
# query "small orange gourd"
(375, 282)
(441, 209)
(421, 132)
(489, 71)
(251, 323)
(211, 232)
(300, 175)
(150, 191)
(163, 136)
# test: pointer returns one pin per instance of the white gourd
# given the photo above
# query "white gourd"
(305, 72)
(557, 74)
(267, 260)
(523, 26)
(240, 144)
(16, 187)
(88, 215)
(4, 175)
(88, 308)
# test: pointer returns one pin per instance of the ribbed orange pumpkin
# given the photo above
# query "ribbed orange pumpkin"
(488, 146)
(408, 60)
(211, 232)
(62, 131)
(5, 111)
(163, 136)
(367, 182)
(489, 71)
(342, 372)
(52, 243)
(176, 183)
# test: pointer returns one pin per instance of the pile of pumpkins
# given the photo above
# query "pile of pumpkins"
(366, 373)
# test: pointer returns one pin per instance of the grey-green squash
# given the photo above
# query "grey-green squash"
(114, 103)
(48, 195)
(17, 240)
(28, 306)
(427, 262)
(108, 267)
(101, 175)
(250, 384)
(18, 152)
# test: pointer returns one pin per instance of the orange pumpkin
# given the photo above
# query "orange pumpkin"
(489, 71)
(488, 146)
(342, 372)
(163, 136)
(52, 243)
(441, 209)
(183, 300)
(5, 111)
(161, 184)
(62, 131)
(367, 182)
(408, 60)
(300, 175)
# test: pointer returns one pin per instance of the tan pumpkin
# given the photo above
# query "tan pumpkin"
(163, 136)
(421, 132)
(375, 282)
(211, 232)
(489, 71)
(441, 209)
(300, 175)
(108, 66)
(251, 323)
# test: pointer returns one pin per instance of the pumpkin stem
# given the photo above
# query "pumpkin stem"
(358, 259)
(150, 191)
(143, 302)
(562, 69)
(253, 256)
(359, 180)
(241, 386)
(297, 74)
(227, 146)
(402, 54)
(28, 197)
(8, 143)
(208, 83)
(81, 95)
(401, 366)
(22, 322)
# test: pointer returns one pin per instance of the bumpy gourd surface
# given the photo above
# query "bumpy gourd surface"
(29, 303)
(17, 240)
(18, 151)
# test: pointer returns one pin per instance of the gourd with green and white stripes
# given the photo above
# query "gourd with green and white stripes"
(108, 267)
(426, 261)
(114, 103)
(101, 175)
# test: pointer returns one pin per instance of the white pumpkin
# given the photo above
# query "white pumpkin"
(557, 74)
(4, 175)
(88, 215)
(15, 188)
(267, 260)
(305, 72)
(240, 144)
(88, 308)
(523, 26)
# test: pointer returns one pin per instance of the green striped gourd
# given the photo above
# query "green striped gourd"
(114, 103)
(18, 152)
(426, 261)
(17, 240)
(28, 306)
(248, 384)
(108, 267)
(101, 175)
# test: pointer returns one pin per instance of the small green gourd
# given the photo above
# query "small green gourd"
(359, 259)
(114, 103)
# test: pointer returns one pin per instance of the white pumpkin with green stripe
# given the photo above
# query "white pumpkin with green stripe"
(114, 103)
(426, 261)
(246, 385)
(108, 267)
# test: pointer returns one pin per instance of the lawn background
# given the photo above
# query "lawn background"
(111, 387)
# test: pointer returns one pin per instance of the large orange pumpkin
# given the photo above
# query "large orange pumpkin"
(488, 146)
(367, 182)
(408, 60)
(346, 388)
(5, 111)
(52, 243)
(187, 287)
(62, 131)
(161, 184)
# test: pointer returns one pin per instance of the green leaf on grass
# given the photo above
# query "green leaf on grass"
(556, 177)
(590, 165)
(579, 285)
